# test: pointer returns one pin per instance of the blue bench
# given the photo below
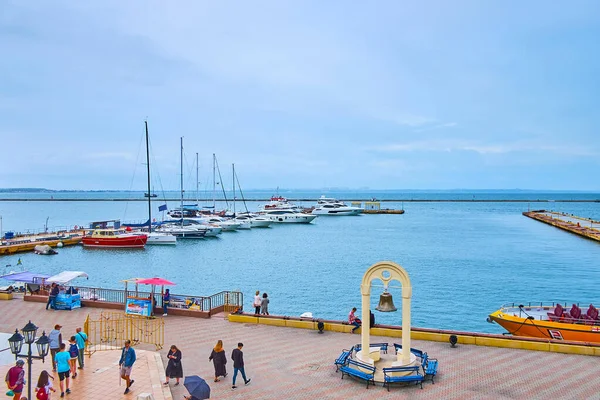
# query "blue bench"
(382, 346)
(414, 376)
(343, 358)
(352, 369)
(430, 366)
(416, 352)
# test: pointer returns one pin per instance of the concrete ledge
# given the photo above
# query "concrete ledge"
(433, 335)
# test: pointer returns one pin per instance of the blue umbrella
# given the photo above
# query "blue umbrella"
(197, 387)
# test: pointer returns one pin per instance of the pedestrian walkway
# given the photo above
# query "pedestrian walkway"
(287, 363)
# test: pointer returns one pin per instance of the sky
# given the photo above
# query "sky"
(301, 94)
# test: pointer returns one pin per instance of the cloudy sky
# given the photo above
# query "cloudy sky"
(302, 94)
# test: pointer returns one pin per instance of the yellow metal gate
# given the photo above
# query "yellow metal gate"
(112, 329)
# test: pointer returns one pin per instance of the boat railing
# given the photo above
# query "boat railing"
(550, 307)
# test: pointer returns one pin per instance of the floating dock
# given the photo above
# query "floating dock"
(585, 227)
(25, 243)
(374, 207)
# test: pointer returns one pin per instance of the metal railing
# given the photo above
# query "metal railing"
(224, 299)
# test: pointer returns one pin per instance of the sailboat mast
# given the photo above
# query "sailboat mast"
(148, 170)
(233, 168)
(181, 182)
(214, 182)
(197, 182)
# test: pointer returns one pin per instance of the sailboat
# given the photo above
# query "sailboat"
(255, 221)
(181, 227)
(154, 237)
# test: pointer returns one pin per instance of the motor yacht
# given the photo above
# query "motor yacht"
(255, 221)
(289, 216)
(336, 209)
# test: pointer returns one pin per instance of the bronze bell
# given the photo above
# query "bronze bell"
(386, 303)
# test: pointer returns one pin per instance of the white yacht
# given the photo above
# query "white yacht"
(255, 221)
(287, 216)
(227, 225)
(160, 238)
(336, 209)
(183, 232)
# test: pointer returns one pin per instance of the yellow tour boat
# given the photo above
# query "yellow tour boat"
(549, 321)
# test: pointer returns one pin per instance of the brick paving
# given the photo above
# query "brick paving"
(286, 363)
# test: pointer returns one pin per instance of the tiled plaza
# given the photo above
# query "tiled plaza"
(287, 363)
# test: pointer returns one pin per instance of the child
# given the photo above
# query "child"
(74, 353)
(44, 386)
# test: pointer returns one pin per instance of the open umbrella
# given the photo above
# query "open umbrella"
(156, 281)
(197, 387)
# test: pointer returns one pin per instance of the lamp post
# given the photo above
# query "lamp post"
(16, 343)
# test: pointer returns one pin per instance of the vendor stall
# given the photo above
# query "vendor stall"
(30, 281)
(68, 297)
(144, 306)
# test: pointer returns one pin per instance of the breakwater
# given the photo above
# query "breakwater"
(399, 200)
(571, 223)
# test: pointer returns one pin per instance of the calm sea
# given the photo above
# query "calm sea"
(464, 258)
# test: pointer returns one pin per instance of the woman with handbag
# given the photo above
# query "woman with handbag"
(174, 368)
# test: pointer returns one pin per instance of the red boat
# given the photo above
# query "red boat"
(114, 238)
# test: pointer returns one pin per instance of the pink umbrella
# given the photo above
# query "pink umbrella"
(155, 281)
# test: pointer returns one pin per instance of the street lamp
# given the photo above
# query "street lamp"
(16, 343)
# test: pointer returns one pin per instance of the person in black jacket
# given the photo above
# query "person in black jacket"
(238, 364)
(371, 319)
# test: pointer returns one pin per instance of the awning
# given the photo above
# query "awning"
(26, 277)
(66, 276)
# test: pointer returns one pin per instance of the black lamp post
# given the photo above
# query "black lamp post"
(16, 343)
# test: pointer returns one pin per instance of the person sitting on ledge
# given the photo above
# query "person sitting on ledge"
(352, 320)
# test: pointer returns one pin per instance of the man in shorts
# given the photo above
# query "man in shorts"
(63, 368)
(126, 363)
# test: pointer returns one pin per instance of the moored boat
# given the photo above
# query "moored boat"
(549, 321)
(114, 238)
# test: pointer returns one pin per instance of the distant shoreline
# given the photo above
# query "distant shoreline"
(346, 200)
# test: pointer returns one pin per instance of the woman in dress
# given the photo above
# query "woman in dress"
(219, 360)
(174, 368)
(264, 305)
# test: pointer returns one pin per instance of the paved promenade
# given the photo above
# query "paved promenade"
(287, 363)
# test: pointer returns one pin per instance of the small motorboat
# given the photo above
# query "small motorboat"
(44, 250)
(114, 238)
(549, 321)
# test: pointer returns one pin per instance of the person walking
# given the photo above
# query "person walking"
(219, 360)
(81, 338)
(74, 353)
(63, 368)
(352, 320)
(264, 304)
(257, 303)
(126, 364)
(15, 379)
(54, 290)
(166, 301)
(237, 355)
(174, 367)
(55, 338)
(44, 386)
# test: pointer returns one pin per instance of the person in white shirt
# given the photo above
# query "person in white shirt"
(257, 303)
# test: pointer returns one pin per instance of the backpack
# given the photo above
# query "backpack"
(41, 394)
(73, 350)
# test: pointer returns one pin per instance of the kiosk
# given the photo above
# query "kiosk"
(68, 298)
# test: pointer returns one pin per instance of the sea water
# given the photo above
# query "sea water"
(464, 259)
